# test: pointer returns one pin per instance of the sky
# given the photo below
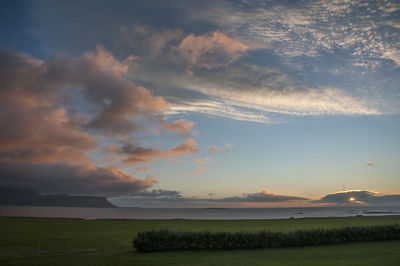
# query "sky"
(202, 103)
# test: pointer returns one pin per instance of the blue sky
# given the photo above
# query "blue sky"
(211, 103)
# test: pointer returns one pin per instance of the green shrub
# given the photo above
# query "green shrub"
(164, 240)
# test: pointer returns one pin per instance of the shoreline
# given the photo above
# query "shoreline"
(197, 214)
(208, 220)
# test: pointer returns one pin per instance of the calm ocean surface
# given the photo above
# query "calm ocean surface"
(200, 214)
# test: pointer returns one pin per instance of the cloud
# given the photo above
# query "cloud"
(35, 126)
(108, 62)
(118, 99)
(198, 170)
(212, 149)
(187, 146)
(55, 111)
(244, 91)
(143, 168)
(369, 163)
(217, 108)
(250, 92)
(211, 51)
(172, 50)
(317, 28)
(240, 90)
(133, 153)
(113, 99)
(182, 127)
(262, 196)
(256, 92)
(241, 60)
(367, 28)
(159, 193)
(225, 149)
(77, 179)
(156, 197)
(202, 161)
(363, 197)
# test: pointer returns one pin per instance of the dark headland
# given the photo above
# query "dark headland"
(29, 197)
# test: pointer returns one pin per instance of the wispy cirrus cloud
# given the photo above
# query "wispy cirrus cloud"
(218, 108)
(314, 28)
(253, 93)
(243, 91)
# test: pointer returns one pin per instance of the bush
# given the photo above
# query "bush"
(164, 240)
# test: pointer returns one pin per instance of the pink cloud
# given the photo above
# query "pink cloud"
(212, 50)
(35, 126)
(227, 148)
(182, 127)
(143, 168)
(135, 154)
(212, 149)
(187, 147)
(199, 170)
(108, 62)
(201, 161)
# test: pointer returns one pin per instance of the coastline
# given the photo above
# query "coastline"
(196, 214)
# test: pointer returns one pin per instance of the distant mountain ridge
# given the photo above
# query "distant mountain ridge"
(29, 197)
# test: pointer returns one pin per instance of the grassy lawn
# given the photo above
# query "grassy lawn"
(108, 242)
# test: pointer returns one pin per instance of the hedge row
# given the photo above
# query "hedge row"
(164, 240)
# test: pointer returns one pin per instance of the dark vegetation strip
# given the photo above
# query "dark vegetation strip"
(164, 240)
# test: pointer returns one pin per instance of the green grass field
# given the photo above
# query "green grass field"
(109, 242)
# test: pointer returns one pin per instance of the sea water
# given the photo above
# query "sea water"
(196, 213)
